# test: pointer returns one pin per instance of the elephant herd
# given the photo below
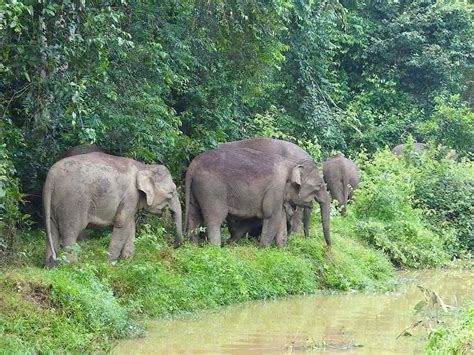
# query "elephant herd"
(261, 187)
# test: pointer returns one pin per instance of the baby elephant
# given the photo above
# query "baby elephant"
(342, 177)
(238, 228)
(103, 190)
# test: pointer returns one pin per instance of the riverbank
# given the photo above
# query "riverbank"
(84, 307)
(363, 323)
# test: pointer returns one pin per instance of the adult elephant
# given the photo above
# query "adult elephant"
(246, 183)
(287, 150)
(342, 177)
(419, 148)
(102, 190)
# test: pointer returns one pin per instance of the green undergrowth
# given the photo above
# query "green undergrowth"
(417, 210)
(456, 339)
(85, 306)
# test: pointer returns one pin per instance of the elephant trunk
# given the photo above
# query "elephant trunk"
(175, 207)
(325, 207)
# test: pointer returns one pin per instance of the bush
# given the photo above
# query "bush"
(445, 191)
(11, 217)
(452, 124)
(454, 340)
(385, 213)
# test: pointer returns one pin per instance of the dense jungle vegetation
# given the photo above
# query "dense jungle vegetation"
(164, 81)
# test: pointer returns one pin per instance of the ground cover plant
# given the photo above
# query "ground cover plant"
(456, 339)
(85, 306)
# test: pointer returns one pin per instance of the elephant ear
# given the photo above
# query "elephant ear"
(145, 184)
(296, 175)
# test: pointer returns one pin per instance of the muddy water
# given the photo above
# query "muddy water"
(352, 323)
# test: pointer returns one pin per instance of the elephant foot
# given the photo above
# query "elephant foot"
(51, 263)
(127, 254)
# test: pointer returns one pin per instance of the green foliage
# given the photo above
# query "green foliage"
(455, 339)
(59, 311)
(452, 124)
(11, 217)
(445, 191)
(164, 82)
(385, 213)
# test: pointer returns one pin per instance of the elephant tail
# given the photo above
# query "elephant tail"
(47, 193)
(188, 181)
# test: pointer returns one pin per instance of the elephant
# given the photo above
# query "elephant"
(78, 150)
(287, 150)
(99, 189)
(253, 227)
(419, 148)
(243, 184)
(342, 177)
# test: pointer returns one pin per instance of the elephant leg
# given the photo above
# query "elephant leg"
(48, 260)
(128, 250)
(296, 220)
(71, 220)
(82, 236)
(213, 219)
(237, 230)
(282, 235)
(270, 228)
(120, 236)
(195, 221)
(307, 220)
(69, 237)
(338, 194)
(214, 234)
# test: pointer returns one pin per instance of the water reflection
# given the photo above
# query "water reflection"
(340, 321)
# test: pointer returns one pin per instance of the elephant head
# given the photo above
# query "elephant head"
(156, 184)
(305, 185)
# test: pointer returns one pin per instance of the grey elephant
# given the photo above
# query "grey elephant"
(253, 227)
(287, 150)
(342, 177)
(419, 148)
(78, 150)
(103, 190)
(243, 184)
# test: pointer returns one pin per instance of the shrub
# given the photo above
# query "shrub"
(10, 198)
(384, 213)
(456, 339)
(451, 124)
(445, 191)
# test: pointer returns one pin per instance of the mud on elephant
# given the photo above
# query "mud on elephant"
(103, 190)
(246, 183)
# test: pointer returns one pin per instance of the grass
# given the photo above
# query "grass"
(455, 339)
(83, 307)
